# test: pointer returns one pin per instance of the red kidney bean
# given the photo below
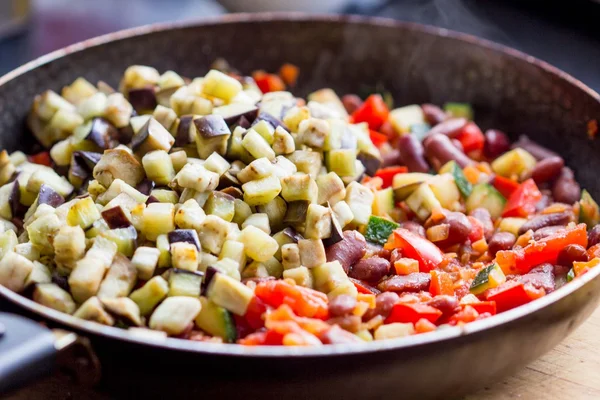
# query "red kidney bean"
(370, 269)
(414, 282)
(547, 231)
(341, 305)
(351, 323)
(565, 188)
(351, 102)
(457, 144)
(446, 304)
(412, 154)
(547, 169)
(390, 158)
(560, 270)
(433, 114)
(450, 127)
(460, 227)
(413, 227)
(501, 241)
(538, 151)
(439, 149)
(384, 302)
(496, 143)
(395, 255)
(483, 215)
(542, 268)
(544, 220)
(594, 236)
(545, 201)
(541, 277)
(349, 250)
(571, 253)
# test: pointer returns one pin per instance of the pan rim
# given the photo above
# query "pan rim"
(173, 344)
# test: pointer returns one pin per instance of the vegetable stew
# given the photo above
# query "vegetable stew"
(225, 209)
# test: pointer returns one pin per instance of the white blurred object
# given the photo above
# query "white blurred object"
(316, 6)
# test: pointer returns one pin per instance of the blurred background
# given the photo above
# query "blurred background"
(566, 34)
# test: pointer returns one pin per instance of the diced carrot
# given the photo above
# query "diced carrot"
(289, 74)
(472, 174)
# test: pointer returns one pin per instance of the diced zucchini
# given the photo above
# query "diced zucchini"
(312, 252)
(216, 321)
(158, 167)
(404, 117)
(511, 224)
(230, 294)
(14, 270)
(328, 276)
(158, 219)
(342, 162)
(149, 295)
(216, 164)
(145, 260)
(217, 84)
(164, 248)
(221, 205)
(459, 110)
(234, 250)
(258, 245)
(488, 278)
(242, 212)
(513, 163)
(175, 314)
(379, 230)
(486, 196)
(83, 213)
(51, 295)
(275, 211)
(383, 203)
(120, 279)
(464, 186)
(588, 210)
(445, 190)
(360, 200)
(422, 201)
(256, 145)
(184, 283)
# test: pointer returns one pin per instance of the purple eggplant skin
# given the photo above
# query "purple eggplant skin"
(249, 115)
(211, 126)
(115, 218)
(139, 138)
(184, 235)
(292, 234)
(124, 134)
(47, 195)
(183, 131)
(370, 162)
(243, 122)
(143, 99)
(265, 116)
(208, 277)
(152, 199)
(337, 234)
(87, 158)
(233, 191)
(103, 134)
(296, 212)
(14, 200)
(228, 180)
(145, 187)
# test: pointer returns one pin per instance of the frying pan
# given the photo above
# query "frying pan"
(509, 90)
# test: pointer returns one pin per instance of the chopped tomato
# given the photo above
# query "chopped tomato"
(484, 307)
(423, 326)
(254, 313)
(289, 74)
(268, 82)
(471, 137)
(285, 314)
(545, 250)
(362, 287)
(387, 174)
(263, 338)
(413, 246)
(303, 301)
(522, 201)
(377, 138)
(42, 158)
(476, 229)
(412, 312)
(594, 251)
(513, 294)
(373, 111)
(441, 283)
(505, 186)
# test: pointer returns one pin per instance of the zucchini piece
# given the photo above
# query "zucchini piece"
(383, 203)
(488, 277)
(342, 162)
(422, 201)
(360, 200)
(230, 294)
(262, 191)
(404, 117)
(124, 238)
(175, 314)
(588, 210)
(515, 162)
(445, 190)
(379, 230)
(120, 279)
(158, 218)
(486, 196)
(216, 321)
(459, 110)
(53, 296)
(275, 211)
(158, 167)
(14, 271)
(221, 205)
(328, 276)
(220, 85)
(257, 146)
(149, 295)
(511, 224)
(299, 186)
(464, 186)
(184, 283)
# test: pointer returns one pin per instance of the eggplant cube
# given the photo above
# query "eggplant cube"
(78, 91)
(145, 260)
(139, 76)
(190, 215)
(124, 308)
(256, 145)
(216, 164)
(259, 220)
(159, 218)
(92, 310)
(152, 136)
(118, 164)
(301, 275)
(165, 116)
(219, 85)
(118, 110)
(14, 270)
(175, 314)
(262, 191)
(211, 134)
(312, 252)
(196, 177)
(120, 279)
(360, 199)
(283, 142)
(221, 205)
(149, 295)
(258, 245)
(213, 232)
(290, 256)
(331, 188)
(184, 256)
(69, 246)
(53, 296)
(318, 222)
(299, 186)
(257, 169)
(158, 167)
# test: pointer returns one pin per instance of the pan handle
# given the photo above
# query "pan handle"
(27, 351)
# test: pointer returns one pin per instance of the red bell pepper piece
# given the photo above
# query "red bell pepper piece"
(362, 287)
(268, 82)
(377, 138)
(412, 312)
(413, 246)
(505, 186)
(513, 294)
(476, 229)
(594, 251)
(373, 111)
(42, 158)
(542, 251)
(303, 301)
(387, 174)
(424, 326)
(254, 313)
(485, 307)
(441, 283)
(263, 338)
(465, 315)
(471, 137)
(523, 200)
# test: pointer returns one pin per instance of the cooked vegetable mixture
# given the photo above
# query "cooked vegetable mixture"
(225, 209)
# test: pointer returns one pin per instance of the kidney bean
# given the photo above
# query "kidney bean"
(460, 227)
(536, 150)
(413, 227)
(571, 253)
(412, 154)
(415, 282)
(544, 220)
(384, 302)
(370, 269)
(560, 270)
(341, 305)
(594, 236)
(483, 215)
(496, 143)
(450, 127)
(390, 158)
(565, 188)
(542, 268)
(547, 169)
(544, 202)
(433, 114)
(542, 277)
(457, 144)
(439, 149)
(448, 305)
(351, 102)
(349, 250)
(547, 231)
(501, 241)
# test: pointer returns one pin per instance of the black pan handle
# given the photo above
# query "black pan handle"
(27, 351)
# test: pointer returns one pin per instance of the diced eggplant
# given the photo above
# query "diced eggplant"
(145, 260)
(299, 187)
(183, 136)
(189, 215)
(158, 219)
(234, 250)
(256, 145)
(149, 295)
(370, 161)
(51, 295)
(216, 321)
(258, 245)
(158, 167)
(290, 256)
(48, 177)
(228, 181)
(118, 164)
(102, 133)
(118, 110)
(152, 136)
(331, 188)
(123, 308)
(229, 293)
(301, 275)
(212, 233)
(117, 187)
(220, 85)
(360, 200)
(145, 186)
(184, 235)
(337, 234)
(296, 212)
(221, 205)
(232, 113)
(120, 278)
(83, 213)
(87, 275)
(14, 270)
(318, 222)
(92, 310)
(261, 191)
(41, 232)
(312, 252)
(69, 246)
(309, 162)
(274, 122)
(184, 283)
(124, 238)
(328, 276)
(143, 99)
(175, 314)
(211, 135)
(275, 210)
